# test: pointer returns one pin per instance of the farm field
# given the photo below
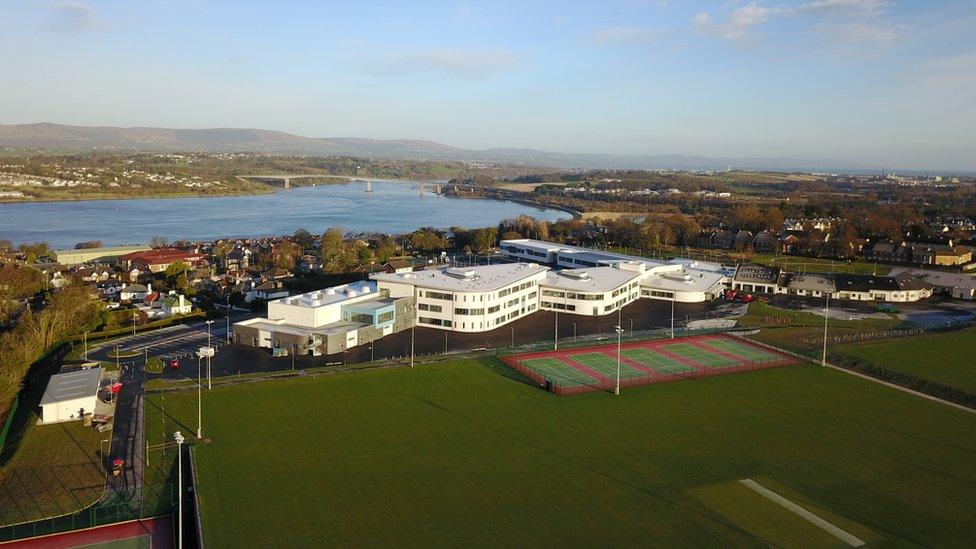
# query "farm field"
(467, 452)
(946, 357)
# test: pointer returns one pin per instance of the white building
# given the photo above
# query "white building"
(594, 292)
(682, 280)
(70, 396)
(327, 321)
(475, 299)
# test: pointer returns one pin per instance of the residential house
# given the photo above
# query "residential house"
(158, 259)
(176, 304)
(395, 266)
(267, 290)
(134, 292)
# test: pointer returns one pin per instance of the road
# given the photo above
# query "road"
(128, 441)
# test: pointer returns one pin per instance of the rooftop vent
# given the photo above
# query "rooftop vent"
(330, 291)
(577, 274)
(464, 274)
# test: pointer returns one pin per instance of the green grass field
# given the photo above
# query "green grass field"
(946, 358)
(463, 453)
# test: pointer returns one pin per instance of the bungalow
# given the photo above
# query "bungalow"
(396, 266)
(267, 290)
(135, 292)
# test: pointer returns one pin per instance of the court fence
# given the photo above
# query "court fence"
(630, 376)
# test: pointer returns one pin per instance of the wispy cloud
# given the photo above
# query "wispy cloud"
(843, 20)
(463, 64)
(737, 26)
(70, 15)
(626, 35)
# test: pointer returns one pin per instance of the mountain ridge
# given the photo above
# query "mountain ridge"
(52, 136)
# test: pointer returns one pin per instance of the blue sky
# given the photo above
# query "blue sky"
(883, 82)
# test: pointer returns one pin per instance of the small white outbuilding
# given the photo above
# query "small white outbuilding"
(70, 396)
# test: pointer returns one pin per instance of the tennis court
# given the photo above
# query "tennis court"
(594, 368)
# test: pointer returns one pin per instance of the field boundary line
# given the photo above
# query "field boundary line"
(810, 517)
(816, 362)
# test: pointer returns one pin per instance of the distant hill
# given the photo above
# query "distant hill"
(60, 137)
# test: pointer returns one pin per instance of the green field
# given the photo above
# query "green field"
(464, 453)
(946, 358)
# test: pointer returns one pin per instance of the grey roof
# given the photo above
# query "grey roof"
(484, 278)
(72, 385)
(809, 282)
(756, 273)
(593, 279)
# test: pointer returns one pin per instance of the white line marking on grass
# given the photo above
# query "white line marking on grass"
(842, 535)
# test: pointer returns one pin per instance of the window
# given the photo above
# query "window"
(494, 309)
(385, 317)
(439, 295)
(459, 311)
(552, 293)
(434, 321)
(429, 307)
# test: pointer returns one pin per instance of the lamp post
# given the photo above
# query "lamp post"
(178, 437)
(209, 354)
(228, 319)
(513, 337)
(555, 335)
(616, 388)
(673, 295)
(413, 324)
(823, 358)
(86, 345)
(199, 399)
(118, 367)
(574, 331)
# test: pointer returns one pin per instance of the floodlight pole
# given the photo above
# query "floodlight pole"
(673, 296)
(118, 367)
(199, 399)
(227, 338)
(413, 324)
(209, 354)
(513, 337)
(823, 358)
(555, 337)
(86, 345)
(616, 388)
(179, 487)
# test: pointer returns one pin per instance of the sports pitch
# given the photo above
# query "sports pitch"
(467, 453)
(579, 370)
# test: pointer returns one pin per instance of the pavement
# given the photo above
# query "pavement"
(128, 441)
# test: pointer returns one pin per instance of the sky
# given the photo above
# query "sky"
(887, 83)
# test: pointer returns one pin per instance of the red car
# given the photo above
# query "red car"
(174, 363)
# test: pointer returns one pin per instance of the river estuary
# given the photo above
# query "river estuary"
(391, 207)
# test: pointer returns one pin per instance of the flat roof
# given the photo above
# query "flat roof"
(592, 279)
(683, 280)
(483, 278)
(72, 385)
(338, 327)
(756, 273)
(329, 296)
(942, 279)
(809, 282)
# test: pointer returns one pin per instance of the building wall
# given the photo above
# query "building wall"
(68, 410)
(473, 311)
(554, 298)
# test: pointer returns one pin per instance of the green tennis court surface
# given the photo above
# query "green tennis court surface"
(606, 365)
(657, 361)
(699, 355)
(743, 350)
(557, 370)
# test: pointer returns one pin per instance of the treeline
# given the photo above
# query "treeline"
(69, 311)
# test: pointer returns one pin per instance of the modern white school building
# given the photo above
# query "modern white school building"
(681, 280)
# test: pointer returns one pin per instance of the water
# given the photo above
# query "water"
(392, 207)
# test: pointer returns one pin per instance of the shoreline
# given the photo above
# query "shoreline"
(271, 190)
